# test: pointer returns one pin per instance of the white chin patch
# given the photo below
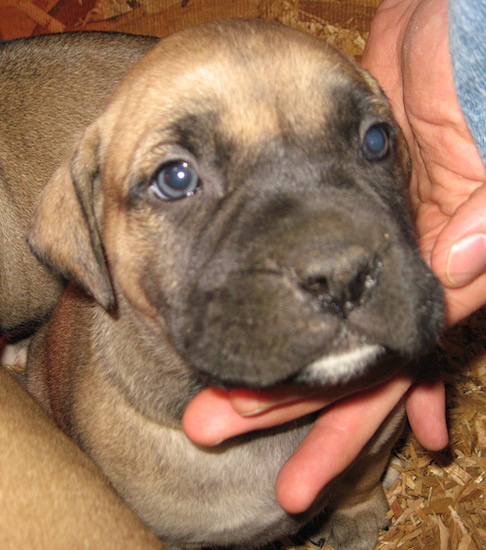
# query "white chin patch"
(340, 367)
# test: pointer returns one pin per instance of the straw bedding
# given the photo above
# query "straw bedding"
(438, 501)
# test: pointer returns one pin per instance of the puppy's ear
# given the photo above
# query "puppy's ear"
(64, 232)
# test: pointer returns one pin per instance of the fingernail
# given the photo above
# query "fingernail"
(467, 260)
(248, 407)
(247, 403)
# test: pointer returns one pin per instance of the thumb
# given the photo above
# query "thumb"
(459, 255)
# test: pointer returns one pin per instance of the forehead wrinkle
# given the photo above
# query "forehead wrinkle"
(251, 115)
(264, 109)
(249, 106)
(255, 96)
(259, 96)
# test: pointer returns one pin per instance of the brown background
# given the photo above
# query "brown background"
(162, 17)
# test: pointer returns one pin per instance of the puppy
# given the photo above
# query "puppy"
(52, 495)
(237, 217)
(51, 87)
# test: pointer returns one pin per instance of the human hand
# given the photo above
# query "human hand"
(336, 438)
(408, 53)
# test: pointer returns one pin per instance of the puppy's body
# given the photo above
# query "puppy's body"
(51, 88)
(238, 215)
(189, 495)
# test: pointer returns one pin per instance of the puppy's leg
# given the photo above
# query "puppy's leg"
(357, 511)
(356, 527)
(392, 473)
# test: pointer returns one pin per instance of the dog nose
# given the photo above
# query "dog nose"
(342, 280)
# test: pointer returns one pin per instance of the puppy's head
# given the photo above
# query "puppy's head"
(245, 191)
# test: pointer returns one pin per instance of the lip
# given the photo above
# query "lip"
(332, 370)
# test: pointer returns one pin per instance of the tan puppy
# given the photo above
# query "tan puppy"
(52, 496)
(236, 216)
(51, 87)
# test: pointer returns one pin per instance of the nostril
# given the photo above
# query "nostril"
(358, 284)
(318, 286)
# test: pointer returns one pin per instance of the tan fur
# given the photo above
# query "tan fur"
(52, 496)
(51, 88)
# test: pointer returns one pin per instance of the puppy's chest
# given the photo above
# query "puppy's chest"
(231, 485)
(191, 495)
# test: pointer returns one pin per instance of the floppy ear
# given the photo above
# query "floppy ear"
(64, 232)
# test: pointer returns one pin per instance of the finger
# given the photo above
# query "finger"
(336, 439)
(459, 255)
(461, 302)
(426, 405)
(210, 417)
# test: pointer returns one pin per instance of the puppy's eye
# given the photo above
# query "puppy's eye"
(376, 143)
(175, 180)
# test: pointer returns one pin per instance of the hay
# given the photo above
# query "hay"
(349, 36)
(438, 502)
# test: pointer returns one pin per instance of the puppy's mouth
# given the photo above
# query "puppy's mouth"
(358, 363)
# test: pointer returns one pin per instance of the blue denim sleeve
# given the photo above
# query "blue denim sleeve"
(467, 38)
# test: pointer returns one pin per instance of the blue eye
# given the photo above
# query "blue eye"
(376, 143)
(175, 180)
